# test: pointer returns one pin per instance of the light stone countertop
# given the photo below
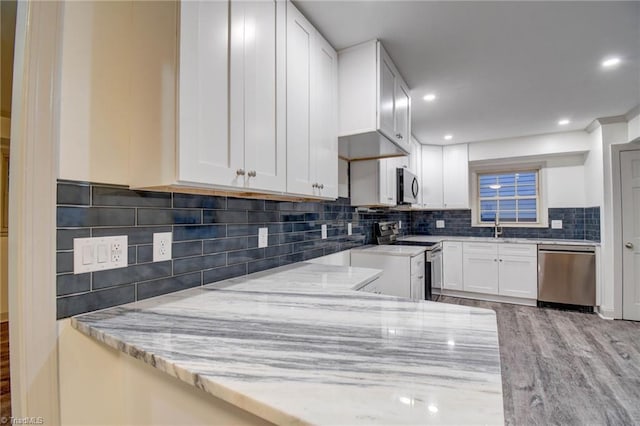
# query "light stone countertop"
(299, 345)
(391, 250)
(439, 238)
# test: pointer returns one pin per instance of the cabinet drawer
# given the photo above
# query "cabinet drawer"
(480, 248)
(417, 265)
(508, 249)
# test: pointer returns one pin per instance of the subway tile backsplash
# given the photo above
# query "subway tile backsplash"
(577, 224)
(214, 238)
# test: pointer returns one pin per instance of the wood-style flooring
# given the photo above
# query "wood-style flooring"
(5, 384)
(565, 368)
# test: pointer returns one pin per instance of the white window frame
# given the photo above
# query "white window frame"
(543, 213)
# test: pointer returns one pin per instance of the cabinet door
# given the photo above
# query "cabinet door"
(452, 265)
(432, 177)
(206, 154)
(455, 172)
(436, 270)
(388, 179)
(402, 114)
(324, 117)
(416, 168)
(387, 93)
(300, 168)
(519, 276)
(257, 97)
(480, 273)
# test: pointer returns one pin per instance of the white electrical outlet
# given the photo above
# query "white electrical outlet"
(439, 223)
(99, 253)
(556, 224)
(324, 232)
(162, 246)
(349, 229)
(263, 237)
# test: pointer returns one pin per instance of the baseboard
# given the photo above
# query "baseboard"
(604, 313)
(489, 297)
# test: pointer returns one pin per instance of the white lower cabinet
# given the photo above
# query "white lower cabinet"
(402, 276)
(452, 265)
(519, 276)
(500, 269)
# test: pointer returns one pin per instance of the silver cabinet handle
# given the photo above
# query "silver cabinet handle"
(315, 185)
(629, 245)
(500, 260)
(252, 173)
(399, 136)
(495, 260)
(321, 186)
(240, 172)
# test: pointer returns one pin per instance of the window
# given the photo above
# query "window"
(508, 197)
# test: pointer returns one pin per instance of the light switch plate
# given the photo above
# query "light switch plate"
(99, 253)
(263, 237)
(324, 232)
(162, 246)
(439, 223)
(399, 224)
(556, 224)
(349, 229)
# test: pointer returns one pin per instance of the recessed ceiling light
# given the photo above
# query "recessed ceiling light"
(564, 122)
(611, 62)
(448, 137)
(430, 97)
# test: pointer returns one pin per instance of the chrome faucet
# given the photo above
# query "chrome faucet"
(497, 229)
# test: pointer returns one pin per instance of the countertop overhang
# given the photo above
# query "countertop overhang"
(299, 345)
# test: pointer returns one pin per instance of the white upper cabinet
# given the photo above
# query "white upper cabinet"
(373, 182)
(455, 176)
(312, 143)
(205, 152)
(374, 104)
(432, 197)
(231, 95)
(256, 100)
(415, 165)
(445, 177)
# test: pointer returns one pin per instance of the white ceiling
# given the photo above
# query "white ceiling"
(500, 69)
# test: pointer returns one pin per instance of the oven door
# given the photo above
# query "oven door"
(408, 187)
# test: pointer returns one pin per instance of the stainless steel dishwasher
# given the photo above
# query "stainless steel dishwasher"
(567, 275)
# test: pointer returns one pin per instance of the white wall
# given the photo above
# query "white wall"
(634, 128)
(593, 170)
(561, 154)
(612, 134)
(95, 87)
(530, 146)
(564, 183)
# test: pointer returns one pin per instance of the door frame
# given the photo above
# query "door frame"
(616, 171)
(32, 211)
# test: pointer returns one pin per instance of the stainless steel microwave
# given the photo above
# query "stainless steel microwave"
(408, 187)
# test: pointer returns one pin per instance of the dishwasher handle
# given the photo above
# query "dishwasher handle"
(558, 248)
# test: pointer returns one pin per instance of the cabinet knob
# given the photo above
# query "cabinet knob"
(500, 260)
(321, 186)
(252, 173)
(240, 172)
(399, 136)
(315, 185)
(495, 260)
(629, 245)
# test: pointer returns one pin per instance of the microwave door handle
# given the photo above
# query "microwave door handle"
(414, 187)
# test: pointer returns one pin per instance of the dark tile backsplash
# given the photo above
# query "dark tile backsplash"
(215, 238)
(577, 224)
